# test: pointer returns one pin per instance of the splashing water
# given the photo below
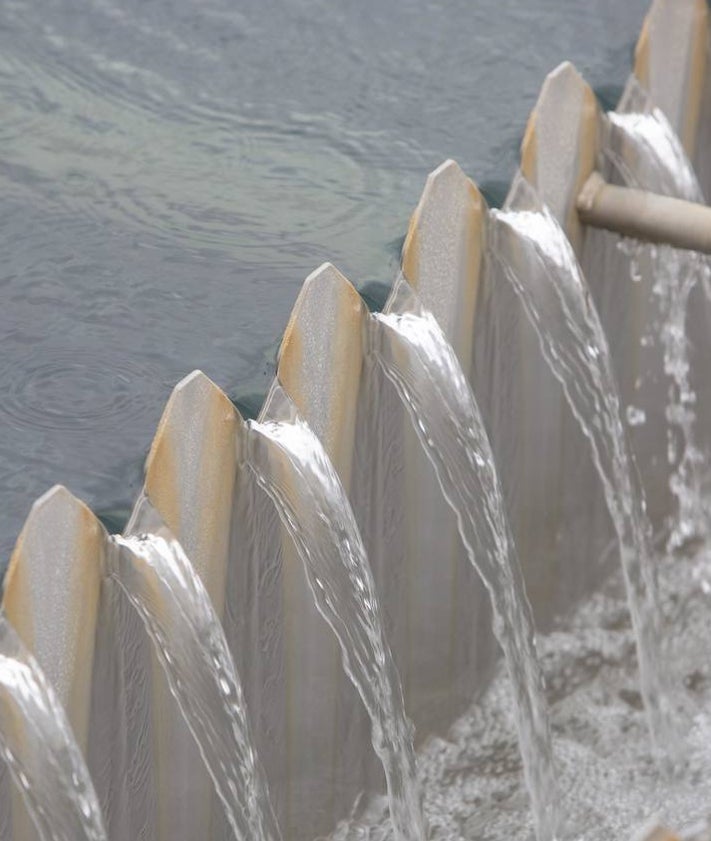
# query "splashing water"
(676, 273)
(415, 356)
(539, 263)
(643, 151)
(39, 748)
(161, 584)
(291, 466)
(471, 775)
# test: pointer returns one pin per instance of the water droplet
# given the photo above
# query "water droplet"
(636, 416)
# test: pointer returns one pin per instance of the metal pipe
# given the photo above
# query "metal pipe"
(644, 215)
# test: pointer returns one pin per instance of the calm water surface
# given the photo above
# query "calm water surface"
(170, 172)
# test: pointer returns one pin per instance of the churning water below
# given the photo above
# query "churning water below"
(171, 172)
(609, 783)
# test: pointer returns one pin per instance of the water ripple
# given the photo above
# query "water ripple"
(120, 146)
(75, 390)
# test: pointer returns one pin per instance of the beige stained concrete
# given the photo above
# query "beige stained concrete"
(190, 479)
(320, 367)
(443, 253)
(561, 145)
(190, 475)
(52, 597)
(671, 61)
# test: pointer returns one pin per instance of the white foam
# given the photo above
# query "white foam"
(609, 781)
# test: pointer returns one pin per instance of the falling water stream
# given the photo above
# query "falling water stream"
(159, 580)
(292, 467)
(643, 151)
(538, 261)
(676, 273)
(416, 357)
(37, 744)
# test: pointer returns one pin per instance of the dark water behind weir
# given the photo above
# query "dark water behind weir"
(416, 357)
(171, 171)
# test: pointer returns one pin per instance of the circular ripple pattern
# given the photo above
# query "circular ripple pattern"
(200, 176)
(77, 391)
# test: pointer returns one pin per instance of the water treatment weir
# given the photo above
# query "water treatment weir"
(297, 635)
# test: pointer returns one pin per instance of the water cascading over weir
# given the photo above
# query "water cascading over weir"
(295, 681)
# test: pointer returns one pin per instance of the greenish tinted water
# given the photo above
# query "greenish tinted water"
(170, 173)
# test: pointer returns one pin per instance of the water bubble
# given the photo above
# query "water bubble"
(636, 416)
